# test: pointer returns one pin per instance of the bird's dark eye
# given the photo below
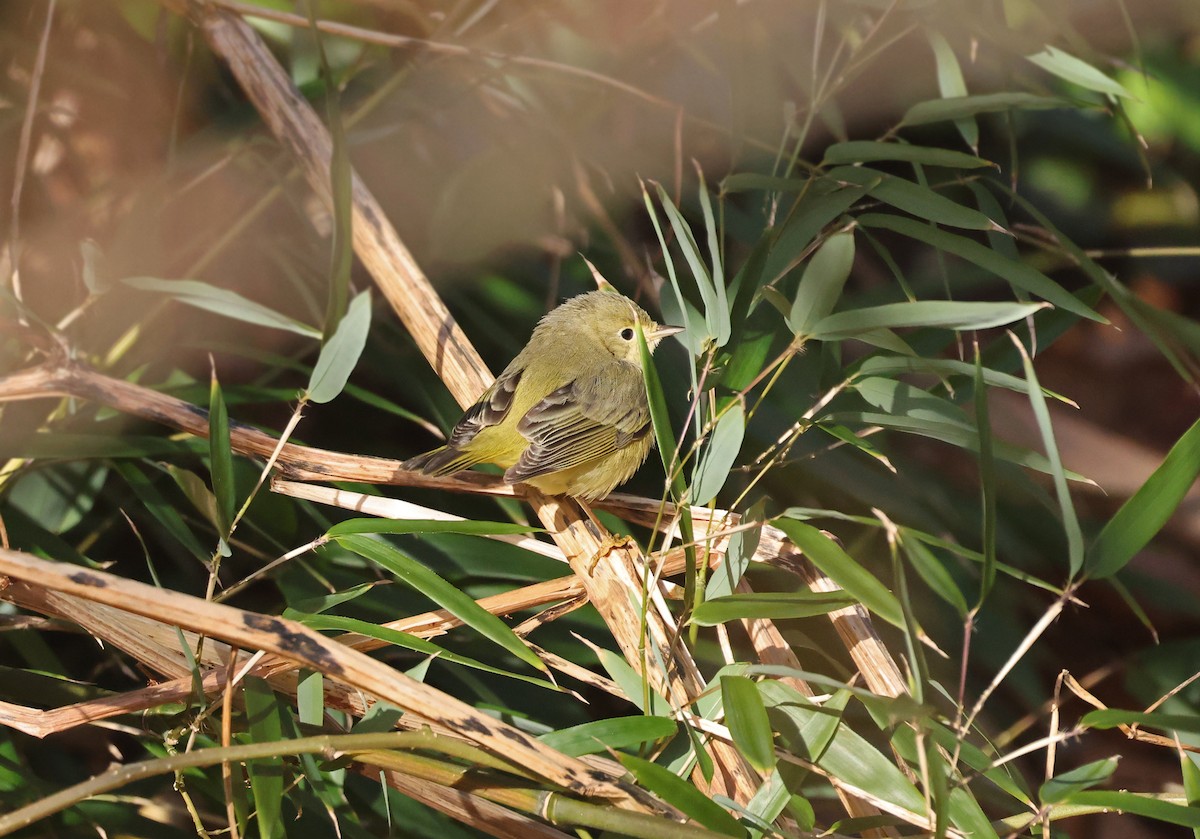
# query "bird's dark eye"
(627, 334)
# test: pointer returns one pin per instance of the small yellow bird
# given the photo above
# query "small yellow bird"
(569, 414)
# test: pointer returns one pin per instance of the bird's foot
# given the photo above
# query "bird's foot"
(611, 542)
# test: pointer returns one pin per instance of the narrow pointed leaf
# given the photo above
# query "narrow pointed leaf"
(266, 775)
(716, 310)
(1145, 513)
(770, 606)
(822, 283)
(951, 84)
(1076, 780)
(223, 302)
(920, 201)
(220, 458)
(401, 526)
(957, 107)
(840, 567)
(612, 733)
(1077, 71)
(422, 579)
(943, 314)
(1066, 507)
(807, 220)
(747, 720)
(680, 793)
(1113, 717)
(1139, 804)
(868, 151)
(1017, 274)
(718, 456)
(340, 353)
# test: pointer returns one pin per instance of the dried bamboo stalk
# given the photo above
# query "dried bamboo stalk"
(297, 643)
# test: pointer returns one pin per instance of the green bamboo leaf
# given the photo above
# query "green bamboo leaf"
(987, 480)
(675, 791)
(943, 314)
(310, 697)
(197, 492)
(822, 282)
(163, 511)
(814, 211)
(340, 353)
(868, 151)
(425, 581)
(738, 553)
(747, 181)
(1191, 783)
(816, 733)
(1063, 786)
(612, 733)
(1066, 507)
(1148, 509)
(862, 444)
(223, 302)
(637, 689)
(1112, 717)
(951, 84)
(920, 201)
(770, 606)
(1139, 804)
(325, 602)
(888, 709)
(408, 642)
(264, 718)
(930, 569)
(716, 309)
(680, 312)
(714, 255)
(716, 460)
(221, 461)
(747, 720)
(840, 567)
(1138, 313)
(885, 365)
(402, 526)
(958, 107)
(1017, 274)
(665, 438)
(1077, 71)
(905, 400)
(956, 434)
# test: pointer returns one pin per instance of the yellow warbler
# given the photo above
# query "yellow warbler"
(569, 414)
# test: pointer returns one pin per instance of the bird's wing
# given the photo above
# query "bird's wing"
(583, 420)
(490, 410)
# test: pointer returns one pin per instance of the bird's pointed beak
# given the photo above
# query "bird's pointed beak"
(660, 332)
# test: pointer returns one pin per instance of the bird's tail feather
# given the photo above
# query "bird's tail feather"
(441, 461)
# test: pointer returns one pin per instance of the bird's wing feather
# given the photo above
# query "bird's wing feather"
(490, 410)
(583, 420)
